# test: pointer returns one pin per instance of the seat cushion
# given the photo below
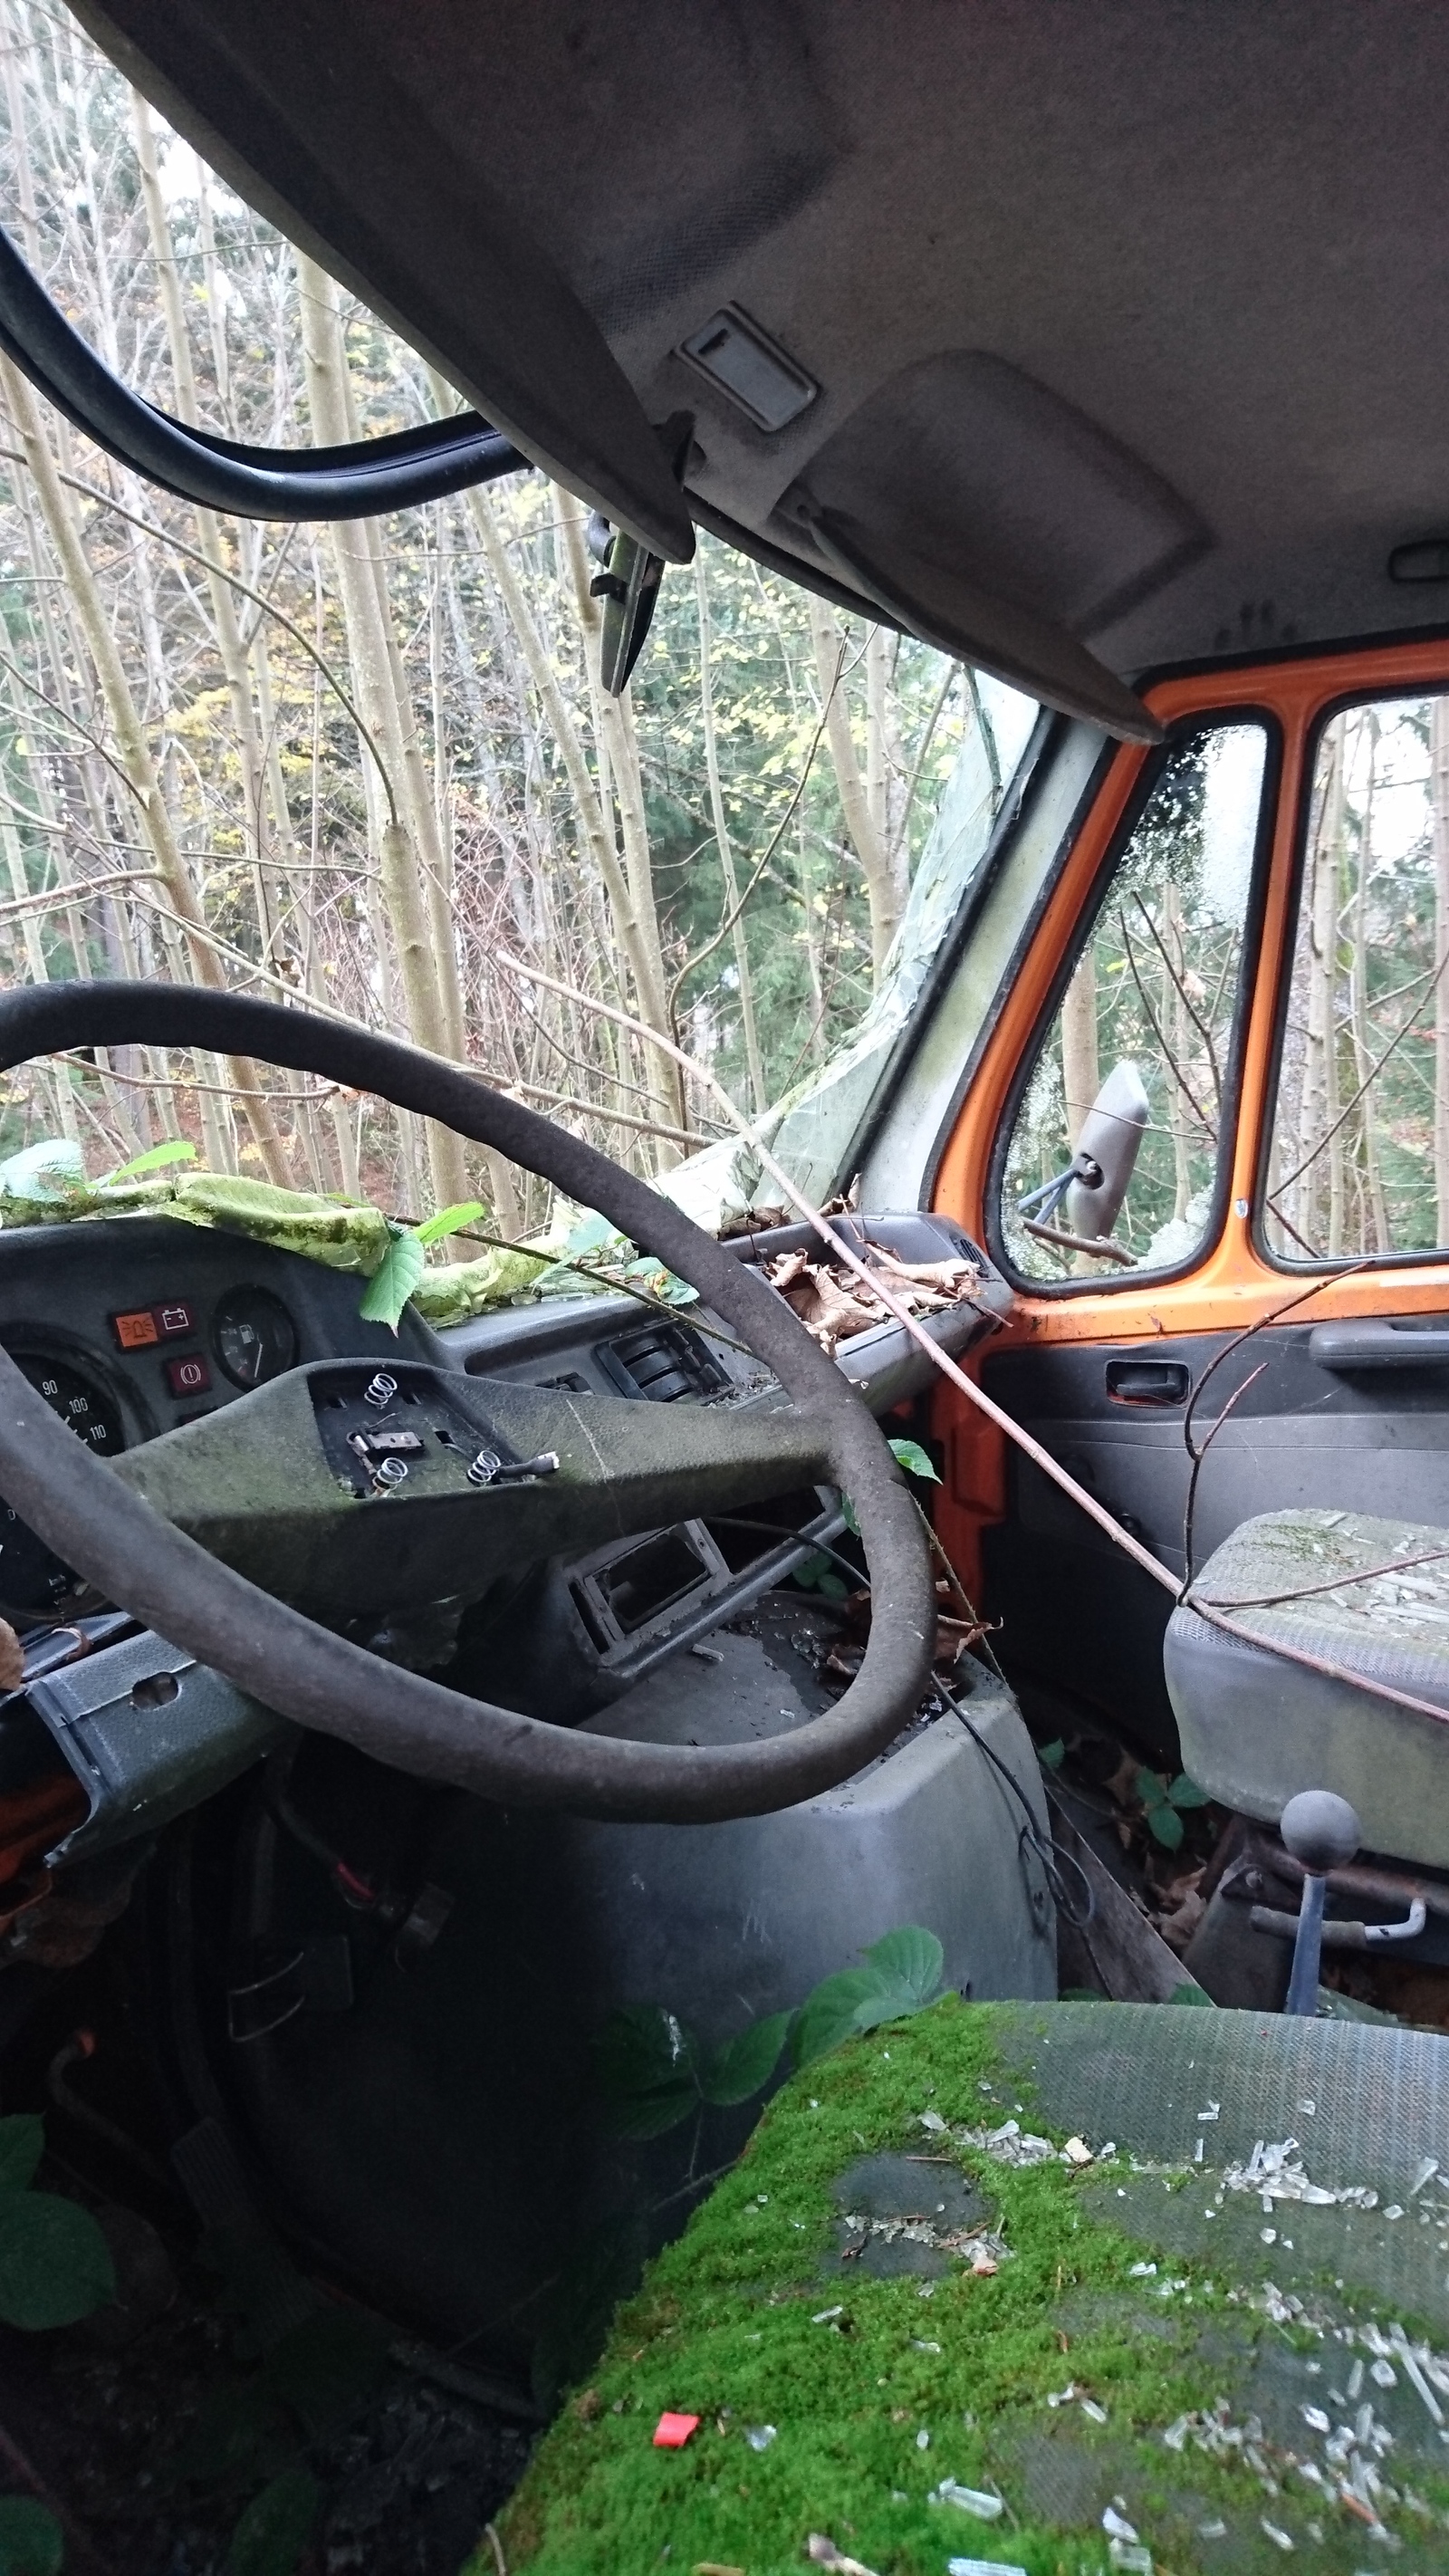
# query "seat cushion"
(1256, 1728)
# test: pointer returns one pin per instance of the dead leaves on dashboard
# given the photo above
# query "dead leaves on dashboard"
(834, 1306)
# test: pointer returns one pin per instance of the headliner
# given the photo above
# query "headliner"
(1125, 315)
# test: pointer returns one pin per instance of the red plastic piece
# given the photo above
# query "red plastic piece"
(673, 2431)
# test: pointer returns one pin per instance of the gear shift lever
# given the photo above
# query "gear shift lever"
(1323, 1832)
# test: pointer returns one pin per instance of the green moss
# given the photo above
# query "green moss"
(727, 2326)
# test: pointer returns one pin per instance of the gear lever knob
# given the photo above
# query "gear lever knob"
(1320, 1830)
(1323, 1833)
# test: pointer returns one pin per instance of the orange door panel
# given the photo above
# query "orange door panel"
(1233, 1287)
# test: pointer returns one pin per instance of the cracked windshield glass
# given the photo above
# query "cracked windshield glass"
(1119, 1142)
(373, 767)
(1360, 1152)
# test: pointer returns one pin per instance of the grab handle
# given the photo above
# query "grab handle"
(1378, 1346)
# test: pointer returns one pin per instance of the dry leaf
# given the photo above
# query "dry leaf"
(12, 1658)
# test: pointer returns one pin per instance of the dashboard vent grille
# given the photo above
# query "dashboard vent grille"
(661, 1362)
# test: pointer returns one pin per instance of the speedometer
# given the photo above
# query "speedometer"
(32, 1577)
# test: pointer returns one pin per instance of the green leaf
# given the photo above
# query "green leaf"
(910, 1959)
(1186, 1793)
(744, 2065)
(847, 1514)
(53, 1169)
(31, 2540)
(901, 1976)
(829, 2014)
(1190, 1994)
(910, 1455)
(393, 1282)
(646, 2060)
(449, 1220)
(1052, 1756)
(22, 2142)
(590, 1235)
(817, 1574)
(276, 2527)
(1165, 1825)
(653, 2115)
(1151, 1788)
(175, 1150)
(55, 2265)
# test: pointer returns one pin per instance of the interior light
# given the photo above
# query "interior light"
(743, 362)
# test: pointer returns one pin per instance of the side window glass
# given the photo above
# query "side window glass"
(1359, 1159)
(1113, 1162)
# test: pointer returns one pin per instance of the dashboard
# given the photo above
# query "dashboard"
(134, 1326)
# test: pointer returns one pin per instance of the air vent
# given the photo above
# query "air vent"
(661, 1362)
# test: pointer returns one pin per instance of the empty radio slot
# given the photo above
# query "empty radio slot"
(622, 1592)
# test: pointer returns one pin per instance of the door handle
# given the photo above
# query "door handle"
(1378, 1346)
(1150, 1381)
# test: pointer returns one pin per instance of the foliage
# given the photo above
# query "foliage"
(1363, 1082)
(394, 1280)
(1157, 982)
(55, 2264)
(654, 2071)
(274, 2530)
(154, 775)
(908, 1454)
(32, 2542)
(1164, 1803)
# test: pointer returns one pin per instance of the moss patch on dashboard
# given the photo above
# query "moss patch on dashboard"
(838, 2397)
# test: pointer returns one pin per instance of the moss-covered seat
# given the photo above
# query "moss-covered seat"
(934, 2340)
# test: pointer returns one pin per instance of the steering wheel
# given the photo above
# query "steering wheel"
(615, 1466)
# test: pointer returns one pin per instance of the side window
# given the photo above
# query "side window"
(1114, 1155)
(1359, 1159)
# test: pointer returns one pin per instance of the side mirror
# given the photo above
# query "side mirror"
(1106, 1155)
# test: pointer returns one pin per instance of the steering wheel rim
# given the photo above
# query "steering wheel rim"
(323, 1682)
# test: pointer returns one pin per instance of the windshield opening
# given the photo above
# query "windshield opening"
(372, 767)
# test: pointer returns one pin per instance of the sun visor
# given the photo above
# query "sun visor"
(299, 116)
(977, 507)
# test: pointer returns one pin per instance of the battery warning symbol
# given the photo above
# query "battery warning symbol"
(145, 1326)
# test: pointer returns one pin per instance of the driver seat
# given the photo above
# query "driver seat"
(1370, 1596)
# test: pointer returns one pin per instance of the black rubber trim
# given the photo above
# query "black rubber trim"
(365, 481)
(137, 1559)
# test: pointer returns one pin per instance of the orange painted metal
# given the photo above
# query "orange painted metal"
(1233, 1287)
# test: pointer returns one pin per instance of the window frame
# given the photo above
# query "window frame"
(1119, 1282)
(1327, 1265)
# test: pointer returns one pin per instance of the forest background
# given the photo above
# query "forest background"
(371, 767)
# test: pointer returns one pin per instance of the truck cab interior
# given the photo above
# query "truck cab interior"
(1093, 347)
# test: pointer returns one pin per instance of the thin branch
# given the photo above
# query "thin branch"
(1178, 1075)
(727, 925)
(1180, 988)
(1335, 1583)
(1432, 975)
(1198, 1455)
(164, 537)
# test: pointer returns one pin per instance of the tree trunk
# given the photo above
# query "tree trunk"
(1374, 1235)
(753, 1058)
(427, 963)
(1081, 1071)
(1320, 1193)
(132, 746)
(1439, 811)
(882, 891)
